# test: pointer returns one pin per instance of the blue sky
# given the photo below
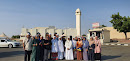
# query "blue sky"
(14, 14)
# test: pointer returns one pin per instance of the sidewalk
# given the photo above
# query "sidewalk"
(118, 44)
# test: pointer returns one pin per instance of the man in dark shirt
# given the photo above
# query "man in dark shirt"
(47, 48)
(50, 38)
(42, 48)
(40, 45)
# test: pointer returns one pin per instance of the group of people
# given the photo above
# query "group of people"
(58, 48)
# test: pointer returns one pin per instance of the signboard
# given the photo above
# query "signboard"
(95, 25)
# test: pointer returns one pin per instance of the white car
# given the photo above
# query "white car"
(8, 43)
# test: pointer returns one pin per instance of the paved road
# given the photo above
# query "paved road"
(11, 54)
(109, 53)
(116, 53)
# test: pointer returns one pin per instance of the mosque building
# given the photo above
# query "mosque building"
(68, 32)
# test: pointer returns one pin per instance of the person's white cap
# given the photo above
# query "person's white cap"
(79, 37)
(59, 37)
(49, 33)
(53, 36)
(57, 34)
(28, 33)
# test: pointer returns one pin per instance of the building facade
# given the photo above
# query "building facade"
(114, 34)
(107, 33)
(103, 34)
(73, 32)
(51, 29)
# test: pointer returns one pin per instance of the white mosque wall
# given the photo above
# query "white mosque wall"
(70, 32)
(52, 31)
(34, 31)
(43, 30)
(59, 31)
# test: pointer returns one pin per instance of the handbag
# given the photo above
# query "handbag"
(79, 49)
(74, 48)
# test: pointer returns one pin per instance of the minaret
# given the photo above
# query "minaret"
(78, 21)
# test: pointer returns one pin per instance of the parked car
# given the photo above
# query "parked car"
(8, 43)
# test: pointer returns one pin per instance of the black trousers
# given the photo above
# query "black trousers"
(46, 53)
(97, 56)
(41, 53)
(27, 55)
(49, 54)
(91, 54)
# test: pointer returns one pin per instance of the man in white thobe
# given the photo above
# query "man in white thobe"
(61, 49)
(54, 48)
(69, 50)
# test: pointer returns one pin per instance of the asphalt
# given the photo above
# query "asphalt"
(109, 53)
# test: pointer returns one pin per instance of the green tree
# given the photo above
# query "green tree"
(103, 25)
(15, 36)
(83, 35)
(122, 24)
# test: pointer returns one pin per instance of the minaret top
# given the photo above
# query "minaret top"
(78, 11)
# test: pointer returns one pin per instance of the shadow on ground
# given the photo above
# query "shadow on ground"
(10, 54)
(104, 57)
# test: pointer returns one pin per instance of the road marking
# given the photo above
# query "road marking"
(125, 44)
(106, 44)
(118, 44)
(112, 44)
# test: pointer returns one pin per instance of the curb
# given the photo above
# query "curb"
(118, 44)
